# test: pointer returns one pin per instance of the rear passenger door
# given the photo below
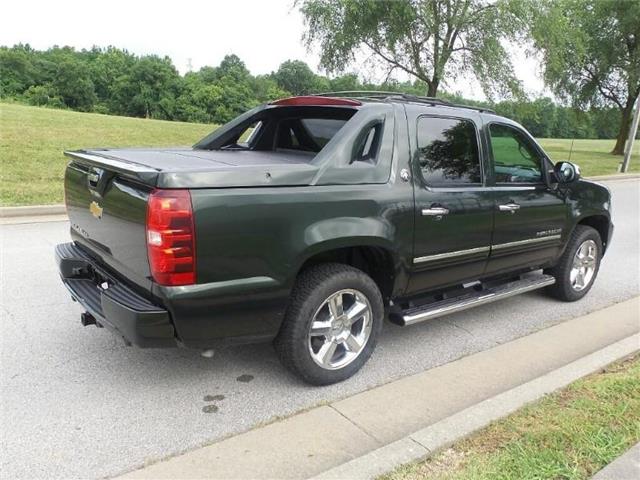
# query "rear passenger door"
(529, 216)
(454, 209)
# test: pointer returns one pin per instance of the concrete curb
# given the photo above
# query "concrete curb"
(32, 211)
(431, 439)
(625, 466)
(615, 176)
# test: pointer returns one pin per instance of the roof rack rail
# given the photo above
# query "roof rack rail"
(381, 95)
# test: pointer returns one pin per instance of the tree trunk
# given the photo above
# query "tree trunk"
(625, 124)
(433, 87)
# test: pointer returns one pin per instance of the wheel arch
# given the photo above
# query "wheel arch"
(373, 256)
(601, 223)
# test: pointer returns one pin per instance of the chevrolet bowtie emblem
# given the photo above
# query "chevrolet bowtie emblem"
(95, 209)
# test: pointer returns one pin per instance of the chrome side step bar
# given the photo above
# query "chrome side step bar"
(473, 299)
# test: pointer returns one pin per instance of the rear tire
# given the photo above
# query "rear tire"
(578, 266)
(332, 324)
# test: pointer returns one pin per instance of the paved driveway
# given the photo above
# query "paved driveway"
(77, 403)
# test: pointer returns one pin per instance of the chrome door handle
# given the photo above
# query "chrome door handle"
(435, 211)
(509, 207)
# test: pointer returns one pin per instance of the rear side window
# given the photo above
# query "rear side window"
(448, 151)
(322, 129)
(307, 134)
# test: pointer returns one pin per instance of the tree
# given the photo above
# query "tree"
(73, 84)
(148, 89)
(231, 66)
(106, 66)
(431, 40)
(16, 70)
(266, 89)
(296, 77)
(591, 54)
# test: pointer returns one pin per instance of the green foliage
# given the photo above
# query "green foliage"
(591, 53)
(73, 85)
(43, 96)
(296, 77)
(113, 81)
(431, 40)
(147, 90)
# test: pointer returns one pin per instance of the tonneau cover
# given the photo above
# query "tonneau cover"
(185, 167)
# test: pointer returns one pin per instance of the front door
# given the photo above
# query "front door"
(529, 216)
(454, 209)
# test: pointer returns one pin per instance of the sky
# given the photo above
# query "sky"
(197, 33)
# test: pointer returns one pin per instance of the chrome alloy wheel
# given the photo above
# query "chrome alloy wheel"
(340, 329)
(584, 265)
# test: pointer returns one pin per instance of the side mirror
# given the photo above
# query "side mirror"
(566, 172)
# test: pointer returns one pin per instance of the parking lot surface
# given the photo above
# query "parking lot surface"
(76, 402)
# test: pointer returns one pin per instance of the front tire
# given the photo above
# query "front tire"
(332, 324)
(578, 266)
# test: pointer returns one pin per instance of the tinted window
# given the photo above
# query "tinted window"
(322, 129)
(307, 134)
(515, 158)
(448, 151)
(368, 143)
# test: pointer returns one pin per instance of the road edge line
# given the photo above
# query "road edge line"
(429, 440)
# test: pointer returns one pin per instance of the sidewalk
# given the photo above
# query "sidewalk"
(626, 467)
(354, 437)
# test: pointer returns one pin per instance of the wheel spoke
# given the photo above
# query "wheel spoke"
(356, 311)
(326, 352)
(335, 306)
(320, 328)
(352, 344)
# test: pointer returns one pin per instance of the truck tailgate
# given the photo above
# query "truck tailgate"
(107, 207)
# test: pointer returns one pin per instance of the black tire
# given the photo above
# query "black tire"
(563, 288)
(313, 287)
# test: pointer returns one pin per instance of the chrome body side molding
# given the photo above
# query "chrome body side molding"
(471, 251)
(528, 241)
(457, 253)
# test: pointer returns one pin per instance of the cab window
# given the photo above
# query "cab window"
(448, 152)
(515, 159)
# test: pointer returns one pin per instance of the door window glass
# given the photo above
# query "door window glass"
(515, 159)
(448, 151)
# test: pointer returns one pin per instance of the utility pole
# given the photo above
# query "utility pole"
(632, 136)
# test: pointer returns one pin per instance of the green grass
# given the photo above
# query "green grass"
(568, 435)
(592, 156)
(32, 140)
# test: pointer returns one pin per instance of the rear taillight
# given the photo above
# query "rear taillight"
(171, 237)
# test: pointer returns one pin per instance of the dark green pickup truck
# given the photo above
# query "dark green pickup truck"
(309, 220)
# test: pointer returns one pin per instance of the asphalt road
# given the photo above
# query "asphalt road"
(75, 402)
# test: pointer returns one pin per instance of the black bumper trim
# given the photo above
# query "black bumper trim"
(116, 307)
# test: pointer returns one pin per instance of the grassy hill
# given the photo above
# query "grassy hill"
(32, 140)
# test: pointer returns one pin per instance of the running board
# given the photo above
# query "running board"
(473, 299)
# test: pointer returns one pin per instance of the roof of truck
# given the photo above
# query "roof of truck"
(357, 97)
